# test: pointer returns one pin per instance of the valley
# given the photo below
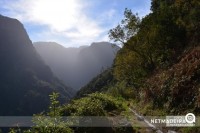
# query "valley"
(149, 69)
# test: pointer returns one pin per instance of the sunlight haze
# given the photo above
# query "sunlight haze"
(72, 23)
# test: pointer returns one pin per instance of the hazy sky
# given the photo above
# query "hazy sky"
(71, 23)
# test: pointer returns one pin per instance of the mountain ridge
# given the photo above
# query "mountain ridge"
(25, 80)
(77, 66)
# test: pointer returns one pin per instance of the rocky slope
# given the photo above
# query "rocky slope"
(25, 80)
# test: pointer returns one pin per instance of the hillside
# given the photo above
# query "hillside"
(155, 74)
(97, 84)
(157, 70)
(77, 66)
(177, 88)
(160, 61)
(25, 80)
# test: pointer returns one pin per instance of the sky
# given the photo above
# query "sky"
(71, 23)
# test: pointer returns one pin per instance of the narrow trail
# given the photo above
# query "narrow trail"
(151, 127)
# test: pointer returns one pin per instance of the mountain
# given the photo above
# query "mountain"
(25, 80)
(77, 66)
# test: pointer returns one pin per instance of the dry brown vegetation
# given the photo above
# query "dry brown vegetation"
(177, 89)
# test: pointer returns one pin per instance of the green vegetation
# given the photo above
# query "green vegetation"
(100, 83)
(153, 61)
(54, 122)
(156, 71)
(96, 104)
(158, 66)
(49, 122)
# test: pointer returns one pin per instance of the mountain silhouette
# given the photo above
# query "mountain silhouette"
(25, 80)
(77, 66)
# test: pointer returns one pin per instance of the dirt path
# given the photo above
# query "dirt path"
(149, 128)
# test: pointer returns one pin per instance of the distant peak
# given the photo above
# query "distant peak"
(102, 44)
(52, 44)
(97, 43)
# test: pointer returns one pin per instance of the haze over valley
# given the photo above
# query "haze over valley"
(33, 72)
(99, 66)
(77, 66)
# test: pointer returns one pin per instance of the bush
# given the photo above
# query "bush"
(96, 104)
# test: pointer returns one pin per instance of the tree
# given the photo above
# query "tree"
(129, 26)
(131, 59)
(150, 43)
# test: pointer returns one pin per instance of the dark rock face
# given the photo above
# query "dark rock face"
(25, 80)
(77, 66)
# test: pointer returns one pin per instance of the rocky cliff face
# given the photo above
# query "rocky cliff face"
(25, 80)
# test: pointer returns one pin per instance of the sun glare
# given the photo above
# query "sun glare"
(60, 15)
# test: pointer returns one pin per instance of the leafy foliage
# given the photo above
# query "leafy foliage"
(160, 60)
(98, 84)
(96, 104)
(128, 27)
(122, 89)
(155, 43)
(52, 122)
(152, 65)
